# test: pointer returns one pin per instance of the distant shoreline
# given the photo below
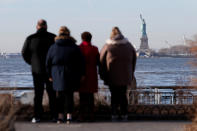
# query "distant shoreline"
(13, 55)
(167, 56)
(139, 87)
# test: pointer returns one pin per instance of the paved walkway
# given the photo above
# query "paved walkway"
(105, 126)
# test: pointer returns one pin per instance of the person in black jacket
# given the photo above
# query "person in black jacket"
(65, 66)
(34, 53)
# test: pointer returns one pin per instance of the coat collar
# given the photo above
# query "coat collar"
(42, 30)
(66, 38)
(85, 43)
(120, 41)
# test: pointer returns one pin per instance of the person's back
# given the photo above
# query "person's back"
(91, 56)
(37, 48)
(118, 60)
(89, 85)
(118, 57)
(120, 65)
(64, 60)
(65, 67)
(34, 53)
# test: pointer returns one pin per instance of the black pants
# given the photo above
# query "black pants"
(119, 99)
(87, 105)
(64, 101)
(40, 82)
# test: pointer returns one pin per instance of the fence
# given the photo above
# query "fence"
(158, 97)
(162, 102)
(140, 96)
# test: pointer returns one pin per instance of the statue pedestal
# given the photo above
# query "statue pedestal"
(144, 43)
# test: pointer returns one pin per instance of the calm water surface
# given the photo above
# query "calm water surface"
(14, 72)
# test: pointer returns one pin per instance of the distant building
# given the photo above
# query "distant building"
(176, 51)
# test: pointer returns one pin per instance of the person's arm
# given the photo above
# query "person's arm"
(82, 63)
(49, 63)
(103, 66)
(134, 62)
(97, 58)
(26, 52)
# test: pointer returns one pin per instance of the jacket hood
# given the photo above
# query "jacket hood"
(119, 39)
(63, 40)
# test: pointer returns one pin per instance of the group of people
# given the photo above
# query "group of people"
(62, 67)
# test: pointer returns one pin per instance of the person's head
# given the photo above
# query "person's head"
(64, 31)
(42, 24)
(115, 31)
(86, 36)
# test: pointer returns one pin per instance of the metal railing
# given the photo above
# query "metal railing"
(141, 96)
(157, 97)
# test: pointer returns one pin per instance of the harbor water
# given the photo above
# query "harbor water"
(14, 72)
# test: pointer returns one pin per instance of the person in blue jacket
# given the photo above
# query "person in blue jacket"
(65, 66)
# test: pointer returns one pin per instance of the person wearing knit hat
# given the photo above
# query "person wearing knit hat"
(63, 60)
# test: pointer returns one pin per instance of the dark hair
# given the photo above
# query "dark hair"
(86, 36)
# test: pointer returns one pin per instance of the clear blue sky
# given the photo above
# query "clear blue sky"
(166, 20)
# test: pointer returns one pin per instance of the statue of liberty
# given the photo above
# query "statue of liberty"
(143, 27)
(144, 38)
